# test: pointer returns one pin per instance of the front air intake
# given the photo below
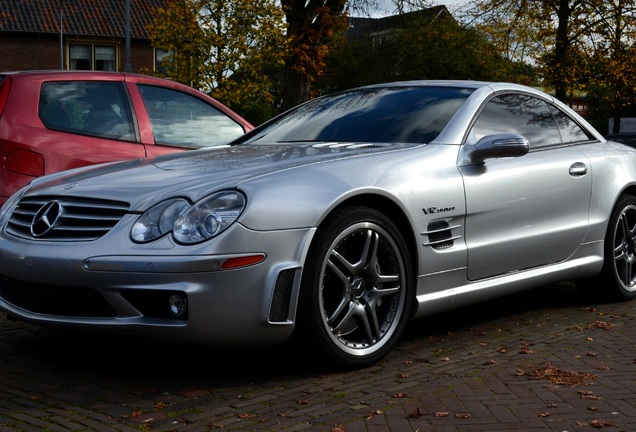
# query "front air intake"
(279, 309)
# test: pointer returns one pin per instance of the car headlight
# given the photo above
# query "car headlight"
(189, 223)
(7, 208)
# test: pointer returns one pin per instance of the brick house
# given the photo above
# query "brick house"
(75, 34)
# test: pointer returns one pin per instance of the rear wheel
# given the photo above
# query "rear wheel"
(618, 277)
(356, 293)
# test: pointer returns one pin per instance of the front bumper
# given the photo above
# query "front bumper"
(87, 285)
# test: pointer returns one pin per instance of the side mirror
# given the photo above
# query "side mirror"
(498, 146)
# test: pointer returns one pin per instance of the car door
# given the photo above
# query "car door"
(532, 210)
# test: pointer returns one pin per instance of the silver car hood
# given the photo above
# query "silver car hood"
(194, 174)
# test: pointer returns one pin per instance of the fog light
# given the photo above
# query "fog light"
(178, 305)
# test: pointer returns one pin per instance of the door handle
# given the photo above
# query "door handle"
(578, 169)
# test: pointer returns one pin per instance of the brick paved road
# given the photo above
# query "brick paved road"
(545, 360)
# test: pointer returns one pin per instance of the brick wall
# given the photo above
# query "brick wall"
(38, 52)
(29, 52)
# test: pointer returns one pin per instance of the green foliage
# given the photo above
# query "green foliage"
(223, 47)
(421, 49)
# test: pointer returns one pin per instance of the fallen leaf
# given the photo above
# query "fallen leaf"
(442, 414)
(587, 394)
(462, 415)
(416, 414)
(338, 428)
(559, 376)
(601, 423)
(601, 325)
(544, 414)
(399, 395)
(374, 413)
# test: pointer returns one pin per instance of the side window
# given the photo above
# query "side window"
(94, 108)
(570, 130)
(182, 120)
(521, 114)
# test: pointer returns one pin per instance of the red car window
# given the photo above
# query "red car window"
(182, 120)
(94, 108)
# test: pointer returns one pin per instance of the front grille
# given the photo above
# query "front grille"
(78, 219)
(55, 300)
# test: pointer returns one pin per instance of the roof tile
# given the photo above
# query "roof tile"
(80, 17)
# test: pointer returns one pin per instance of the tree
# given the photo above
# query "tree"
(312, 26)
(223, 47)
(580, 44)
(176, 30)
(613, 62)
(425, 44)
(547, 31)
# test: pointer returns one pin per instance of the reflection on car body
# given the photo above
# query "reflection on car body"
(339, 221)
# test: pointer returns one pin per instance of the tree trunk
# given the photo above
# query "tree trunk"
(295, 87)
(562, 46)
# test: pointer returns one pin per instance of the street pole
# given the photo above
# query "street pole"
(128, 65)
(61, 35)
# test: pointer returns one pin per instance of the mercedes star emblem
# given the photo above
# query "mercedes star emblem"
(45, 218)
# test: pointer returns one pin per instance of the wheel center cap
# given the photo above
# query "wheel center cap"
(357, 286)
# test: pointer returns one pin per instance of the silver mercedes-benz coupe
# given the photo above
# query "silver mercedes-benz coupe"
(341, 219)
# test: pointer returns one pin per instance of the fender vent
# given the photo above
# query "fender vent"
(440, 234)
(279, 309)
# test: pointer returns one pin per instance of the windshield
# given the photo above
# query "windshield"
(376, 115)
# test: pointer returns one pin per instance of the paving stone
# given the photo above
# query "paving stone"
(475, 369)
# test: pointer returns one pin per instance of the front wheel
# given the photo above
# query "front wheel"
(356, 293)
(619, 268)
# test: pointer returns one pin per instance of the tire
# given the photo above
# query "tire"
(618, 276)
(357, 290)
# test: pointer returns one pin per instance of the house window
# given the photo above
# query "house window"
(93, 57)
(162, 60)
